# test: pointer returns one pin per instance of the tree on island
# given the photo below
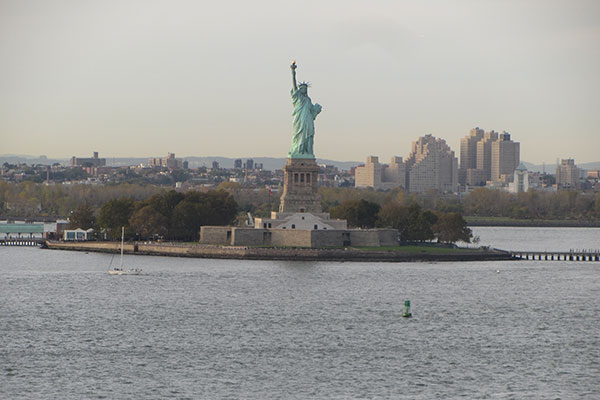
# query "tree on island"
(148, 223)
(413, 224)
(358, 213)
(115, 214)
(452, 228)
(179, 216)
(82, 217)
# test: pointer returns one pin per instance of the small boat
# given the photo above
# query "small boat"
(119, 270)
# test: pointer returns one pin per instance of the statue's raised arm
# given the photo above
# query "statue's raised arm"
(293, 67)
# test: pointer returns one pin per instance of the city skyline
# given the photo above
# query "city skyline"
(139, 78)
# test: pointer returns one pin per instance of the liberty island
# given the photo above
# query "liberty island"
(300, 222)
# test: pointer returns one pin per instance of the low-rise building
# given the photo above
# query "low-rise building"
(77, 234)
(520, 181)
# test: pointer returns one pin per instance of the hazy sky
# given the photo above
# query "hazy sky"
(201, 78)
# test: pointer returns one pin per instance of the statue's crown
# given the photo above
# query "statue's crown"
(307, 84)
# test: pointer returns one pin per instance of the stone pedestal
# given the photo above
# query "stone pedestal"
(300, 187)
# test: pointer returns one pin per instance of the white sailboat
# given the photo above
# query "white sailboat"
(119, 270)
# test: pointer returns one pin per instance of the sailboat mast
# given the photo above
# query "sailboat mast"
(122, 241)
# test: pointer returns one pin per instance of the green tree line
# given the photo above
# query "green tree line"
(30, 200)
(413, 222)
(482, 202)
(169, 215)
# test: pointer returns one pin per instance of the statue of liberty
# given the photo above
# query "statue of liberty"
(304, 116)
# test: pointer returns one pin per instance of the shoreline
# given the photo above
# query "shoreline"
(281, 253)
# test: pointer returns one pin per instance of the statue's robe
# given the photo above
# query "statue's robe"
(304, 127)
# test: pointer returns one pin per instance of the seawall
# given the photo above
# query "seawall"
(278, 253)
(533, 223)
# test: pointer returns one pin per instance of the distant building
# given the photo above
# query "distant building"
(484, 153)
(505, 158)
(237, 164)
(167, 162)
(380, 176)
(431, 165)
(593, 174)
(487, 156)
(468, 153)
(520, 181)
(249, 164)
(215, 165)
(368, 175)
(567, 175)
(88, 162)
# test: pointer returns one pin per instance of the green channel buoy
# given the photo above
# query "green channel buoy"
(406, 313)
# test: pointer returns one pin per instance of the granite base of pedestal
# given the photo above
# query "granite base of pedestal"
(300, 189)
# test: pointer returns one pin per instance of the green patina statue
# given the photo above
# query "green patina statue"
(304, 116)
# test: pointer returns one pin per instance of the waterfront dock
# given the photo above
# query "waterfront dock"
(585, 255)
(21, 242)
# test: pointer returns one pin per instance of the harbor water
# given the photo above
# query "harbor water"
(226, 329)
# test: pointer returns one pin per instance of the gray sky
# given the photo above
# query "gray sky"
(147, 77)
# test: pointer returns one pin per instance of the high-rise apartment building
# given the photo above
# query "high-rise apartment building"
(505, 158)
(432, 165)
(468, 155)
(487, 156)
(567, 174)
(468, 148)
(380, 176)
(394, 174)
(368, 175)
(484, 153)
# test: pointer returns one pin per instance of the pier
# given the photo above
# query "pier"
(580, 255)
(16, 234)
(21, 242)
